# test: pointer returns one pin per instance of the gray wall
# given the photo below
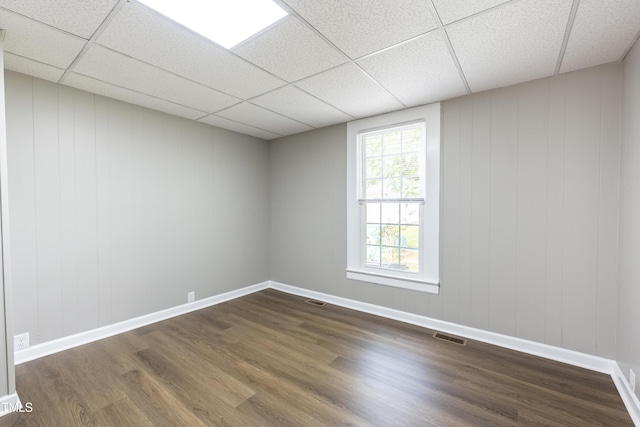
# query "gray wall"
(118, 211)
(529, 213)
(628, 338)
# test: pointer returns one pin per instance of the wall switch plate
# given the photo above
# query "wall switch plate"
(632, 380)
(20, 342)
(191, 296)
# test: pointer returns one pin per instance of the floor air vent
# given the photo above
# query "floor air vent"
(316, 302)
(445, 337)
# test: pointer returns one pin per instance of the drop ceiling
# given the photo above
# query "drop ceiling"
(327, 62)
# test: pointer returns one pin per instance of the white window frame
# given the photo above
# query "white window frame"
(428, 279)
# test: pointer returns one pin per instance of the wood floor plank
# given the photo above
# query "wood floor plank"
(269, 359)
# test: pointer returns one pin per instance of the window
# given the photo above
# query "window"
(393, 199)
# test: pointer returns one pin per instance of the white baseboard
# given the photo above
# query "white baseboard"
(570, 357)
(582, 360)
(575, 358)
(9, 403)
(628, 397)
(65, 343)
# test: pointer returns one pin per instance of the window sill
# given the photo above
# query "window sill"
(395, 281)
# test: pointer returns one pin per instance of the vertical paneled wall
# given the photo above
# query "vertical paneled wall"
(529, 213)
(119, 211)
(534, 169)
(628, 338)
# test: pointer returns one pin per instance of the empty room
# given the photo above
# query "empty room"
(320, 212)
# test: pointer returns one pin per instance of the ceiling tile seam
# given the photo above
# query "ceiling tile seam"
(51, 27)
(567, 35)
(259, 33)
(264, 108)
(164, 70)
(33, 60)
(208, 41)
(290, 10)
(236, 121)
(140, 93)
(379, 84)
(282, 115)
(447, 41)
(395, 45)
(93, 38)
(628, 49)
(302, 90)
(482, 12)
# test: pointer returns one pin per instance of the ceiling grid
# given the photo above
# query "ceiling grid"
(325, 63)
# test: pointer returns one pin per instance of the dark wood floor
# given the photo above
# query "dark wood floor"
(269, 359)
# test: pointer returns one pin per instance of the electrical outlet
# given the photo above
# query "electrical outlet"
(191, 296)
(20, 342)
(632, 380)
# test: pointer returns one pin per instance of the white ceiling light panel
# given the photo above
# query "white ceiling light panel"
(141, 33)
(226, 22)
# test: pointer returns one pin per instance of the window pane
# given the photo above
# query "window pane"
(411, 187)
(372, 211)
(373, 146)
(374, 189)
(391, 143)
(411, 140)
(411, 164)
(373, 234)
(391, 213)
(410, 213)
(390, 256)
(374, 167)
(373, 255)
(392, 166)
(391, 188)
(410, 260)
(390, 235)
(410, 236)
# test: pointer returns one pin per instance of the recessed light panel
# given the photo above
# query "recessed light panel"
(226, 22)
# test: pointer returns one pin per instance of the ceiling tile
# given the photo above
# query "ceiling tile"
(143, 34)
(291, 50)
(593, 41)
(453, 10)
(79, 17)
(32, 68)
(360, 27)
(105, 89)
(31, 39)
(259, 117)
(511, 44)
(417, 72)
(238, 127)
(299, 105)
(349, 89)
(112, 67)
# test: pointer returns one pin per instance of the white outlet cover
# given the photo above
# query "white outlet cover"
(632, 380)
(191, 296)
(20, 342)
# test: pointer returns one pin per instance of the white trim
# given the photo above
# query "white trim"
(9, 401)
(582, 360)
(398, 282)
(628, 397)
(430, 211)
(587, 361)
(65, 343)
